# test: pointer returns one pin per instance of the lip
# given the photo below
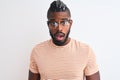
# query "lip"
(59, 36)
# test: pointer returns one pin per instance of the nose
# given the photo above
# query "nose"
(59, 27)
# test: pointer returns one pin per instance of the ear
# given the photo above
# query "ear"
(71, 21)
(47, 23)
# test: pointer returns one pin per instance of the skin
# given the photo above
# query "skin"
(58, 16)
(95, 76)
(33, 76)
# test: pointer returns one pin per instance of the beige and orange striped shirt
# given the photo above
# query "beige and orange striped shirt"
(69, 62)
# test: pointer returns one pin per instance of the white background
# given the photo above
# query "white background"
(23, 25)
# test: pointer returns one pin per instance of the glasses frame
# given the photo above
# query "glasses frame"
(62, 23)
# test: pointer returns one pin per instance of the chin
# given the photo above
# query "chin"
(59, 42)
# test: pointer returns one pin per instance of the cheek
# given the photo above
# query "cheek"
(53, 31)
(66, 29)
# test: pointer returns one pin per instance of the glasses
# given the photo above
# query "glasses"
(55, 24)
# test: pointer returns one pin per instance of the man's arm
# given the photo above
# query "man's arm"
(33, 76)
(95, 76)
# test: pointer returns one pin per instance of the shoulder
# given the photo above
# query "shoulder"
(41, 46)
(80, 44)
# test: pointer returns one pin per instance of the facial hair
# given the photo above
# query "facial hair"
(59, 43)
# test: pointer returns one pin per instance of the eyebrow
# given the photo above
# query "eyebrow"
(61, 19)
(65, 19)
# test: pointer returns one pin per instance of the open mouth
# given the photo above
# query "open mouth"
(59, 36)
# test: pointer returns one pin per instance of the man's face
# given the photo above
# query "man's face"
(59, 24)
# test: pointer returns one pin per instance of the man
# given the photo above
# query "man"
(62, 58)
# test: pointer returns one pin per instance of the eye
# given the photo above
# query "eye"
(64, 22)
(53, 24)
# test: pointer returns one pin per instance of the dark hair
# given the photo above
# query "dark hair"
(58, 6)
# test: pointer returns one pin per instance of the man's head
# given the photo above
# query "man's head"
(59, 22)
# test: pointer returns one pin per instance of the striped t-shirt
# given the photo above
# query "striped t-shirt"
(70, 62)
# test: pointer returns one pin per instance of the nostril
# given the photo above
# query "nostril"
(60, 28)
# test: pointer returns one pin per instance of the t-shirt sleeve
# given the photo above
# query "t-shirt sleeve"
(33, 65)
(91, 66)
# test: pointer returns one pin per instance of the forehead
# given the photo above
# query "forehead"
(59, 16)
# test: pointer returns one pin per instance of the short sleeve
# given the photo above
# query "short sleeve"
(91, 66)
(33, 65)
